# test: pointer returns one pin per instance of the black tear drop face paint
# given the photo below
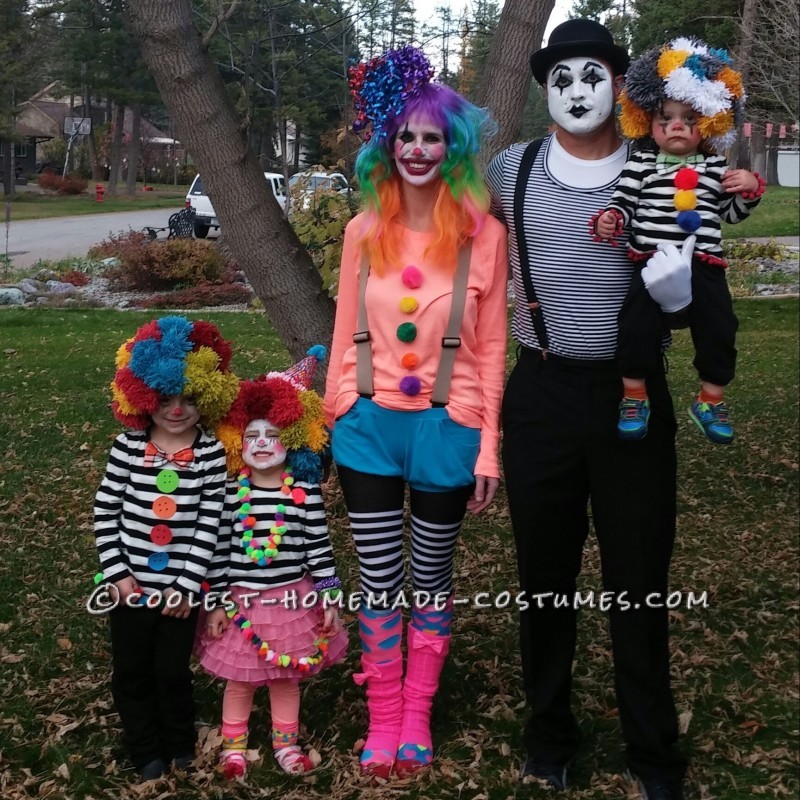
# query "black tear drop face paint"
(580, 94)
(675, 128)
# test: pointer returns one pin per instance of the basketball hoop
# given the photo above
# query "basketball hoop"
(77, 126)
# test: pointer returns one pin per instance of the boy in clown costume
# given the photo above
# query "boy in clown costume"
(274, 558)
(682, 102)
(156, 519)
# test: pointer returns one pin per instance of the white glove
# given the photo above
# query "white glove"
(668, 276)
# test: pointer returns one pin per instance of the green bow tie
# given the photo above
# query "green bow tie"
(667, 160)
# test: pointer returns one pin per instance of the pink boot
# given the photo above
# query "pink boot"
(428, 645)
(381, 633)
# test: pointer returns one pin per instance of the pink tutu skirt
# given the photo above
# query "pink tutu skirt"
(287, 629)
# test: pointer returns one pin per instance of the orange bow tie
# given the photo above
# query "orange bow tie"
(154, 456)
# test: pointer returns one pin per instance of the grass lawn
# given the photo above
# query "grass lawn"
(37, 206)
(778, 214)
(734, 667)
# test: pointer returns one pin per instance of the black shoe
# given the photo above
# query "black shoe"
(656, 789)
(183, 762)
(156, 768)
(554, 775)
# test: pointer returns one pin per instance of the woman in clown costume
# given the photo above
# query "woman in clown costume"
(682, 102)
(156, 518)
(274, 558)
(415, 381)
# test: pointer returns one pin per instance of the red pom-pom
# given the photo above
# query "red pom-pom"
(206, 334)
(286, 406)
(686, 178)
(136, 423)
(136, 391)
(149, 330)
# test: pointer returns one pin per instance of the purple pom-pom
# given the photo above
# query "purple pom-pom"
(410, 385)
(689, 221)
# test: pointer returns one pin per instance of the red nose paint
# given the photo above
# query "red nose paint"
(417, 151)
(176, 412)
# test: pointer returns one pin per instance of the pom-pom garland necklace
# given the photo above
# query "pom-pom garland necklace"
(264, 555)
(303, 664)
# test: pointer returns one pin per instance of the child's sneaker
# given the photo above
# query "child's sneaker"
(633, 418)
(712, 419)
(234, 764)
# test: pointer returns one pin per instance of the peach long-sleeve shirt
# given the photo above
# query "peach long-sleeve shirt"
(477, 384)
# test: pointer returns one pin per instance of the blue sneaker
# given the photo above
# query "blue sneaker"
(712, 419)
(633, 418)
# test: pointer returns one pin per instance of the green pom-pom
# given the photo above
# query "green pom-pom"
(407, 332)
(98, 578)
(281, 508)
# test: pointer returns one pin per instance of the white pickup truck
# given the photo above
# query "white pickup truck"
(205, 218)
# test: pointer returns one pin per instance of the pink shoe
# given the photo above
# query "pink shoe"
(234, 764)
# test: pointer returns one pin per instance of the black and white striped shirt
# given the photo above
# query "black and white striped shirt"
(645, 196)
(304, 548)
(135, 533)
(580, 283)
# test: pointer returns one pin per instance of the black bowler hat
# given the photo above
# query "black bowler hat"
(579, 37)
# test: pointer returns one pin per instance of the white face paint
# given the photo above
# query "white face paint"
(419, 150)
(261, 448)
(580, 94)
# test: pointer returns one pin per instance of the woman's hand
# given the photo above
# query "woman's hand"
(216, 623)
(482, 496)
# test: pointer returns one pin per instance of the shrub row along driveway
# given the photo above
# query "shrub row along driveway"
(62, 237)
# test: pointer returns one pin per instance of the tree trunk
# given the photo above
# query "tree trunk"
(116, 148)
(743, 52)
(266, 248)
(133, 149)
(8, 167)
(504, 88)
(97, 174)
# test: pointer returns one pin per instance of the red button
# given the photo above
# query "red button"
(161, 535)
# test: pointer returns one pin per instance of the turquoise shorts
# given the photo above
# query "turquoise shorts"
(426, 448)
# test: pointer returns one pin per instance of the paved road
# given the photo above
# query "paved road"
(57, 238)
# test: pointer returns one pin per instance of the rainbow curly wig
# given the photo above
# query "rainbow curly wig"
(691, 72)
(170, 356)
(388, 90)
(288, 402)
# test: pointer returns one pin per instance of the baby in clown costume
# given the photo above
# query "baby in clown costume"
(682, 103)
(280, 620)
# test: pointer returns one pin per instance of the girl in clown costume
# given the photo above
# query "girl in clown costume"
(683, 102)
(280, 620)
(156, 517)
(415, 380)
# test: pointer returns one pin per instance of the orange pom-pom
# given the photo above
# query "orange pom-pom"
(634, 121)
(410, 360)
(733, 80)
(670, 60)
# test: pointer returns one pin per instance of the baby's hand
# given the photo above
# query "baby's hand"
(330, 621)
(737, 181)
(606, 225)
(216, 623)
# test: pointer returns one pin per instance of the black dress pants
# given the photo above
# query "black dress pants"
(560, 453)
(152, 683)
(711, 319)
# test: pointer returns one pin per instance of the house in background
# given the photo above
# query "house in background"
(43, 115)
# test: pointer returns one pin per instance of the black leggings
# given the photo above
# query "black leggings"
(375, 506)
